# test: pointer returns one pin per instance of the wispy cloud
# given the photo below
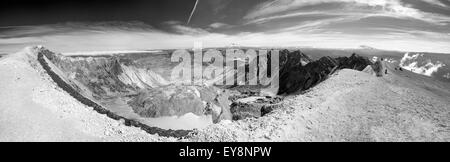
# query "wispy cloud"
(219, 25)
(276, 9)
(435, 2)
(87, 40)
(179, 28)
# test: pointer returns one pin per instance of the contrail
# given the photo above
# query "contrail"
(192, 13)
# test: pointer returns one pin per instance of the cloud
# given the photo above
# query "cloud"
(178, 28)
(313, 25)
(218, 5)
(413, 63)
(306, 33)
(219, 25)
(435, 2)
(290, 15)
(181, 29)
(364, 8)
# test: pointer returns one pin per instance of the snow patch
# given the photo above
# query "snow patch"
(390, 60)
(374, 59)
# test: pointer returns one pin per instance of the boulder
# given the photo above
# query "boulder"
(254, 107)
(376, 69)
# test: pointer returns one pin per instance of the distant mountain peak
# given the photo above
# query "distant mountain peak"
(366, 47)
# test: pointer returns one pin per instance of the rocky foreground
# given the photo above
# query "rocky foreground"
(348, 106)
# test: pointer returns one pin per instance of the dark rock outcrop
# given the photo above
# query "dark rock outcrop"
(254, 107)
(353, 62)
(295, 77)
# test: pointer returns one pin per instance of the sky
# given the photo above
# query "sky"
(70, 25)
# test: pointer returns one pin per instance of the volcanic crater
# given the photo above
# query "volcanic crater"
(137, 87)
